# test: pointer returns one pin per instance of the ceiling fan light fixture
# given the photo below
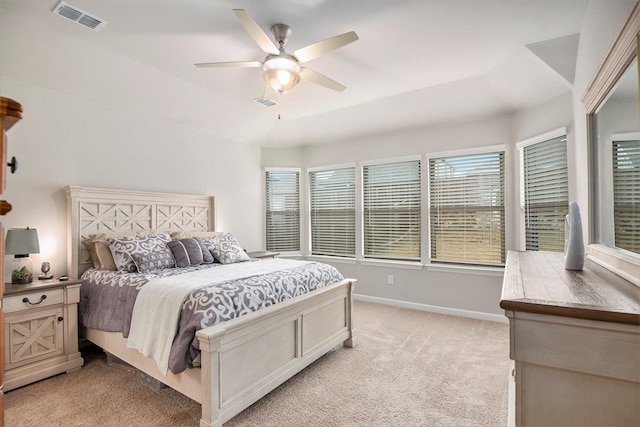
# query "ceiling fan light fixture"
(281, 73)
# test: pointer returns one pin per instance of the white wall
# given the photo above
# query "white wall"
(72, 134)
(452, 288)
(471, 291)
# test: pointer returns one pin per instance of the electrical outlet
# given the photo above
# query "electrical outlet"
(390, 279)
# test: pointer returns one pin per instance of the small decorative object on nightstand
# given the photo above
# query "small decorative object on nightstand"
(263, 254)
(45, 271)
(41, 330)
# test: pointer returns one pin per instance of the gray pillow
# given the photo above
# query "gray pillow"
(207, 258)
(189, 251)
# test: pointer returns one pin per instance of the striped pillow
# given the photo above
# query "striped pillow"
(189, 252)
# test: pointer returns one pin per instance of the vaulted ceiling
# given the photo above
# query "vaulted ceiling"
(417, 63)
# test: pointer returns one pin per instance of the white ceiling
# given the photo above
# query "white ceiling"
(417, 63)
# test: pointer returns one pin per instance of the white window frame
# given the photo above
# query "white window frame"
(472, 268)
(521, 145)
(300, 187)
(360, 201)
(358, 221)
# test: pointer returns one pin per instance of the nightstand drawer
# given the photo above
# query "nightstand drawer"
(31, 300)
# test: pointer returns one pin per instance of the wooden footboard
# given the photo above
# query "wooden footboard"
(244, 359)
(250, 356)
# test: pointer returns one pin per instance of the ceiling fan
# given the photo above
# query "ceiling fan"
(282, 71)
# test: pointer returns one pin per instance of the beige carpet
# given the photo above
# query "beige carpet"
(410, 368)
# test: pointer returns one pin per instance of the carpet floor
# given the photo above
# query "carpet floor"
(409, 368)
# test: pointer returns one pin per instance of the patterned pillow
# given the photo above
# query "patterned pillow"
(156, 260)
(99, 247)
(123, 249)
(225, 249)
(190, 251)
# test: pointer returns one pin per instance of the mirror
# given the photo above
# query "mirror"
(613, 118)
(615, 150)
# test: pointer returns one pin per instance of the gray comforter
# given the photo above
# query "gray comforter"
(107, 299)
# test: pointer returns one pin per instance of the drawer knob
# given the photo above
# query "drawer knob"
(60, 318)
(42, 298)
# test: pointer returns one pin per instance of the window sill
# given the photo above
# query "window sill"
(623, 263)
(465, 269)
(330, 259)
(410, 265)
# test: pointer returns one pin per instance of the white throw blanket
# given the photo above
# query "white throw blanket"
(158, 305)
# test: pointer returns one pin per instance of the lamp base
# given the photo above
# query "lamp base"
(21, 271)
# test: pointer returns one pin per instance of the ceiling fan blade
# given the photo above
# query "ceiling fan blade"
(321, 79)
(240, 64)
(312, 51)
(254, 30)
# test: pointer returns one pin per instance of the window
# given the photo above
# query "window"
(333, 213)
(283, 210)
(544, 191)
(466, 208)
(626, 194)
(391, 220)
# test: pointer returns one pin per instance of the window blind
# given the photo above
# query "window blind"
(391, 194)
(333, 215)
(467, 208)
(626, 194)
(283, 211)
(545, 191)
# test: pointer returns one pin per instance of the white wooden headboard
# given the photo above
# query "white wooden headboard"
(103, 210)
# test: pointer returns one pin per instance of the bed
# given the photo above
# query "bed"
(241, 359)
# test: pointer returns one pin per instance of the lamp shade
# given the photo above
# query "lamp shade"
(22, 241)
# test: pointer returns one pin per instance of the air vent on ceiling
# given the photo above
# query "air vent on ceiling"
(266, 102)
(79, 16)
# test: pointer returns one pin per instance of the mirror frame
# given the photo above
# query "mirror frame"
(618, 58)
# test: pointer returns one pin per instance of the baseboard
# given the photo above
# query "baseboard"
(433, 308)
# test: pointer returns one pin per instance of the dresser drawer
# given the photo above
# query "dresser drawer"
(31, 300)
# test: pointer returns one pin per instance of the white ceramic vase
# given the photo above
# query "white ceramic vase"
(573, 243)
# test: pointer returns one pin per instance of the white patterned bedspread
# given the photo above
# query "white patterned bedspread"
(157, 309)
(218, 293)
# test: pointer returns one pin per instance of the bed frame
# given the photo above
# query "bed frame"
(242, 359)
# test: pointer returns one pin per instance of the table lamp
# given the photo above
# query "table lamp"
(21, 242)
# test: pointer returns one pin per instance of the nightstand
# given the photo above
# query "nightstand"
(41, 330)
(263, 254)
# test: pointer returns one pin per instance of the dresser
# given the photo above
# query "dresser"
(10, 114)
(40, 330)
(575, 342)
